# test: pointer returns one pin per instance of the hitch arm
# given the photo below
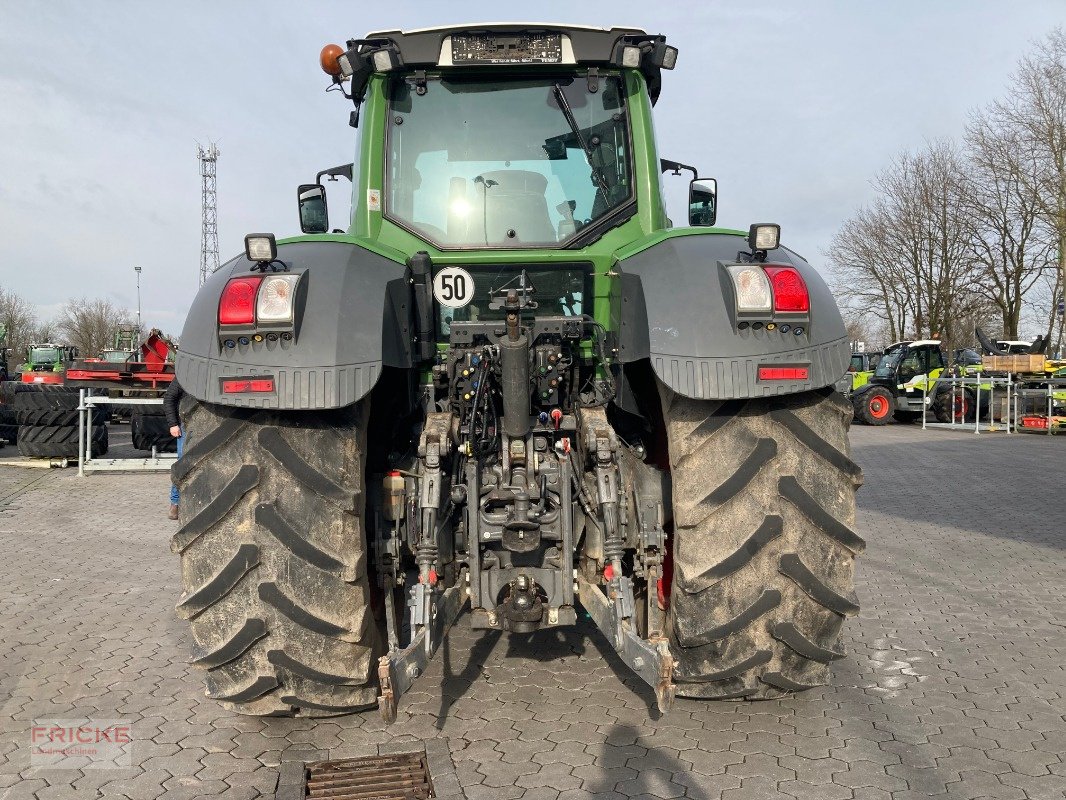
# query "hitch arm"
(649, 658)
(398, 669)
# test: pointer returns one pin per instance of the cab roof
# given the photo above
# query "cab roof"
(515, 44)
(425, 46)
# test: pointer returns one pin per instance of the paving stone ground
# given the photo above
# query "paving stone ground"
(954, 684)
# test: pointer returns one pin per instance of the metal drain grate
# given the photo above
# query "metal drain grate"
(404, 776)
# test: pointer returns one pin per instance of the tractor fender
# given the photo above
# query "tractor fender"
(678, 310)
(351, 319)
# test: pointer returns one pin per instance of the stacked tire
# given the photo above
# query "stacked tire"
(9, 429)
(47, 417)
(149, 428)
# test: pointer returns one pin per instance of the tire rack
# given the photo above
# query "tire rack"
(1017, 392)
(156, 462)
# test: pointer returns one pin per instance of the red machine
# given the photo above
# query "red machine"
(152, 371)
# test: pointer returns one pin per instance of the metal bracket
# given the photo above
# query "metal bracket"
(649, 658)
(418, 79)
(398, 669)
(593, 80)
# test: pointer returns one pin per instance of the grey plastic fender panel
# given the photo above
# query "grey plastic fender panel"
(352, 318)
(678, 310)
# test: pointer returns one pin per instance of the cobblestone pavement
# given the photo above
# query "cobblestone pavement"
(954, 685)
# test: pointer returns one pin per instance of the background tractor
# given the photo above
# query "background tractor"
(511, 385)
(902, 384)
(860, 369)
(45, 362)
(913, 376)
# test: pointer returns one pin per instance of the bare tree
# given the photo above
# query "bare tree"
(19, 320)
(90, 325)
(1009, 239)
(868, 279)
(45, 332)
(1035, 110)
(904, 259)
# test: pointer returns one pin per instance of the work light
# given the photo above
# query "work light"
(344, 61)
(663, 55)
(385, 60)
(630, 56)
(260, 247)
(764, 236)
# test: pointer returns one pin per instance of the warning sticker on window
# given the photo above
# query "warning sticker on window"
(373, 199)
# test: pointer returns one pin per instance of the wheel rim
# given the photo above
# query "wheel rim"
(878, 407)
(962, 408)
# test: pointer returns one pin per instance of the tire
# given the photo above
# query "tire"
(149, 411)
(7, 391)
(907, 417)
(151, 430)
(44, 397)
(49, 434)
(38, 416)
(53, 441)
(9, 429)
(274, 558)
(874, 407)
(964, 404)
(763, 550)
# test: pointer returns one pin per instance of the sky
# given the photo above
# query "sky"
(792, 106)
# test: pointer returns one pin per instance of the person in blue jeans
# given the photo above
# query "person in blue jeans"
(171, 402)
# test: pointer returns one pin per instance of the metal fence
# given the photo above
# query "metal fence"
(156, 462)
(985, 389)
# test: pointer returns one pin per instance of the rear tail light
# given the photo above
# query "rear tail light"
(769, 288)
(752, 287)
(790, 291)
(784, 373)
(275, 298)
(242, 385)
(237, 305)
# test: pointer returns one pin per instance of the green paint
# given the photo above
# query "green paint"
(860, 379)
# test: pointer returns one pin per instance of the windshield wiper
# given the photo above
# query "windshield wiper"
(597, 172)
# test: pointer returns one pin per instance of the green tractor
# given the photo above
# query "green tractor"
(511, 385)
(46, 357)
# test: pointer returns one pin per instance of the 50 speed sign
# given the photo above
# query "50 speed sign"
(453, 287)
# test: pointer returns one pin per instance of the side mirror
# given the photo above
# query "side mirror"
(314, 217)
(702, 202)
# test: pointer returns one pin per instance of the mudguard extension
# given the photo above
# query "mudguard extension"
(351, 319)
(678, 310)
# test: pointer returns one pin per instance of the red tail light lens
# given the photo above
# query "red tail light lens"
(237, 306)
(783, 373)
(242, 385)
(790, 291)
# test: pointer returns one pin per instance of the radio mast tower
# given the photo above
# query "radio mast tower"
(209, 226)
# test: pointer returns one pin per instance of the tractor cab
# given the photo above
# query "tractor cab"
(500, 138)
